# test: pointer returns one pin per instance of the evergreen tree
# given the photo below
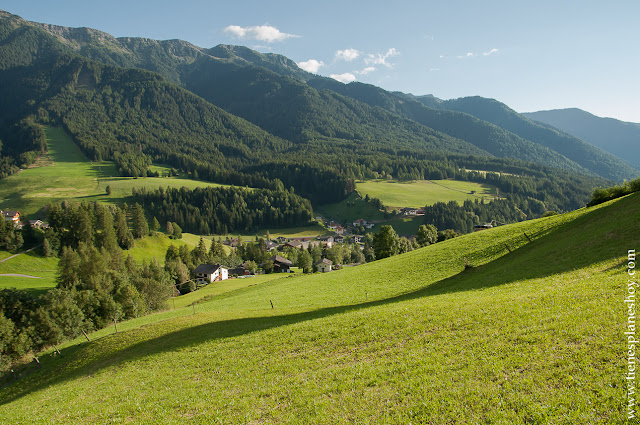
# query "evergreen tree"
(177, 231)
(46, 248)
(140, 226)
(217, 249)
(123, 234)
(155, 224)
(107, 237)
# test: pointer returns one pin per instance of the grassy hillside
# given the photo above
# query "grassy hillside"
(351, 209)
(531, 336)
(30, 264)
(419, 193)
(65, 173)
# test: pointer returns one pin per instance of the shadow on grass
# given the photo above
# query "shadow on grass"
(595, 237)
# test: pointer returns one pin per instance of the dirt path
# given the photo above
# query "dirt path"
(20, 253)
(20, 275)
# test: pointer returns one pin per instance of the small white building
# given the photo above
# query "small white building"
(209, 273)
(324, 265)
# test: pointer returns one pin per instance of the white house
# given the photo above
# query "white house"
(209, 273)
(324, 265)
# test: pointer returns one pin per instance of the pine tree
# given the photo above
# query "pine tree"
(46, 248)
(140, 226)
(155, 224)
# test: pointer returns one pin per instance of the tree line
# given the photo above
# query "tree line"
(96, 283)
(219, 210)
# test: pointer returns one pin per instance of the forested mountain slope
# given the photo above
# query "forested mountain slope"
(617, 137)
(592, 156)
(280, 101)
(318, 141)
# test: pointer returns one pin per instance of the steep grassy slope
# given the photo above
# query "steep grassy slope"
(531, 336)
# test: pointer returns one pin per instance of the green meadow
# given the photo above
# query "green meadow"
(419, 193)
(519, 324)
(350, 210)
(31, 264)
(65, 173)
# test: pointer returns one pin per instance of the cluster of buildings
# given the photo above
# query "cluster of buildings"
(209, 273)
(13, 217)
(282, 243)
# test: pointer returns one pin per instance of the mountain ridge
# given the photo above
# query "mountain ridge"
(485, 135)
(620, 138)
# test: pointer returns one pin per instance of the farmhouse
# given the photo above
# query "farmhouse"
(38, 224)
(412, 211)
(294, 244)
(233, 242)
(479, 227)
(360, 222)
(280, 264)
(208, 273)
(271, 245)
(324, 265)
(326, 241)
(12, 216)
(241, 270)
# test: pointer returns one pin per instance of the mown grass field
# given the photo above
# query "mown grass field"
(527, 336)
(419, 193)
(31, 264)
(65, 173)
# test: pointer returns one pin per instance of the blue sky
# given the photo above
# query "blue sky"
(529, 55)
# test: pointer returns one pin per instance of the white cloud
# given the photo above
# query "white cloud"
(311, 65)
(347, 77)
(265, 33)
(366, 71)
(381, 59)
(473, 55)
(434, 69)
(347, 54)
